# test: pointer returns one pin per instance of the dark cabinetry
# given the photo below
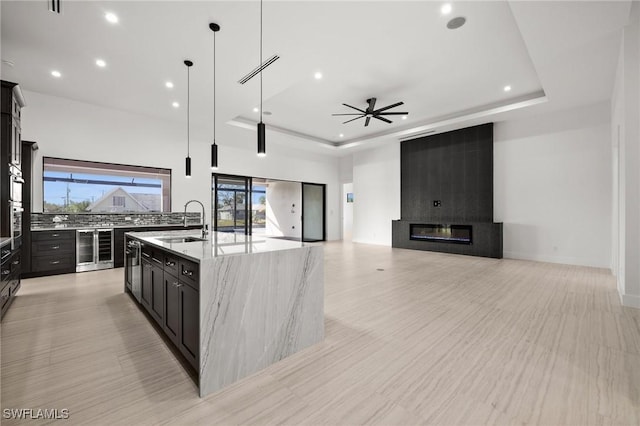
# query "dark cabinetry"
(10, 281)
(53, 252)
(11, 103)
(170, 295)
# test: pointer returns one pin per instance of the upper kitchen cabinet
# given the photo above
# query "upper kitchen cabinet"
(11, 104)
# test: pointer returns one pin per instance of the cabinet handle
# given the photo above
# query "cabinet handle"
(168, 263)
(146, 255)
(15, 262)
(54, 262)
(177, 284)
(187, 272)
(6, 272)
(55, 247)
(55, 235)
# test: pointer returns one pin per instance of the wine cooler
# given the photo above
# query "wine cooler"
(94, 249)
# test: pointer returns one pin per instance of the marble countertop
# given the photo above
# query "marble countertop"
(217, 243)
(107, 226)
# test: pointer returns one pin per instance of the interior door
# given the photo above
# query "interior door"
(313, 207)
(232, 204)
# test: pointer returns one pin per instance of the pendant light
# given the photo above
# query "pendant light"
(189, 64)
(214, 148)
(262, 143)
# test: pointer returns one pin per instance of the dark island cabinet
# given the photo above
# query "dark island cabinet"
(169, 293)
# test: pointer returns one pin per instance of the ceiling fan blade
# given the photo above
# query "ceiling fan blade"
(389, 107)
(357, 118)
(355, 113)
(366, 123)
(391, 113)
(382, 118)
(372, 105)
(357, 109)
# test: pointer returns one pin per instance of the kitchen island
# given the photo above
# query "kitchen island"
(232, 304)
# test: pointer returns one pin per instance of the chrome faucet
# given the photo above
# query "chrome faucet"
(204, 217)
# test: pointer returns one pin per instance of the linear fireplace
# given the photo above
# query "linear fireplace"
(458, 234)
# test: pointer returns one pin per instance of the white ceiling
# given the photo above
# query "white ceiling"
(561, 52)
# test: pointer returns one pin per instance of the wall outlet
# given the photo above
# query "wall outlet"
(437, 203)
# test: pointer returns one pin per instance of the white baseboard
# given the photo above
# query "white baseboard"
(566, 260)
(630, 300)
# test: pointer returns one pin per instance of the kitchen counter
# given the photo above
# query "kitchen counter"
(217, 244)
(259, 299)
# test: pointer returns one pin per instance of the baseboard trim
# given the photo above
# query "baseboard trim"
(630, 300)
(565, 260)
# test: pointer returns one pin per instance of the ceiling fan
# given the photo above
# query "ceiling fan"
(370, 112)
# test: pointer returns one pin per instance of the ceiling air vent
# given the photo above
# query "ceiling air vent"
(257, 70)
(54, 6)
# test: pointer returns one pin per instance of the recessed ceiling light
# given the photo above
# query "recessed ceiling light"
(446, 9)
(341, 135)
(56, 73)
(111, 17)
(404, 117)
(169, 85)
(101, 63)
(255, 109)
(507, 88)
(318, 75)
(175, 105)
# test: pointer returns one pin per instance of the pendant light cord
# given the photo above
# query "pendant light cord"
(261, 61)
(214, 88)
(188, 103)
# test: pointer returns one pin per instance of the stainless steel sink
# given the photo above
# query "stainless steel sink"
(179, 239)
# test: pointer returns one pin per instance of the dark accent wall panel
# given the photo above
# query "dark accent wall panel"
(454, 168)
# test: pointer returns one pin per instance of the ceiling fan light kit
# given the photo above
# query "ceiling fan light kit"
(371, 112)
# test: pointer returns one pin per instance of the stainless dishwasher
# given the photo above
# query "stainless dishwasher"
(94, 249)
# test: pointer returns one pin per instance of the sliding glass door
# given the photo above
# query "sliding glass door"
(231, 203)
(313, 202)
(269, 207)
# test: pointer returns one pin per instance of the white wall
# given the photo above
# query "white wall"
(70, 129)
(376, 192)
(347, 213)
(552, 186)
(625, 129)
(284, 202)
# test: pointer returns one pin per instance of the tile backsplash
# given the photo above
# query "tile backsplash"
(52, 220)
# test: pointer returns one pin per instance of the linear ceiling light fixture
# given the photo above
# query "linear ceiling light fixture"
(189, 64)
(262, 143)
(258, 69)
(214, 148)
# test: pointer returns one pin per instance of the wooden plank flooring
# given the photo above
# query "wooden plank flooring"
(411, 338)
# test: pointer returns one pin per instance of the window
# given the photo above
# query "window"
(75, 186)
(118, 201)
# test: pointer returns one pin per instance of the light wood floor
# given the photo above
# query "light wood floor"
(411, 338)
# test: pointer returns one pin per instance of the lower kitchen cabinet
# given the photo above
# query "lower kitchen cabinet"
(169, 293)
(152, 294)
(181, 317)
(190, 323)
(10, 282)
(52, 252)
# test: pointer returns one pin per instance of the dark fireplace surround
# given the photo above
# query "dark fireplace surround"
(447, 194)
